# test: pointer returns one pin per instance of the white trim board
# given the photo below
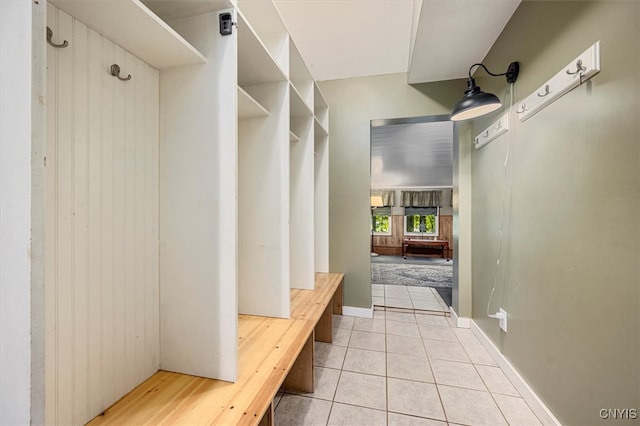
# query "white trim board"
(357, 312)
(461, 322)
(536, 404)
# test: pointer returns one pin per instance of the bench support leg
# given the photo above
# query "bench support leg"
(268, 418)
(337, 299)
(300, 377)
(324, 327)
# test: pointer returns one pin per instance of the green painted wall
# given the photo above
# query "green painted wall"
(353, 103)
(570, 274)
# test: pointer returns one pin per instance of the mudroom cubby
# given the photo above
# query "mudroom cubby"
(186, 184)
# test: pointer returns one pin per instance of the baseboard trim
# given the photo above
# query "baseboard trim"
(537, 405)
(461, 322)
(357, 312)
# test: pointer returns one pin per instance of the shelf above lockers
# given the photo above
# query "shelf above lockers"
(136, 28)
(248, 107)
(269, 27)
(293, 137)
(320, 108)
(170, 10)
(299, 75)
(255, 63)
(298, 107)
(319, 128)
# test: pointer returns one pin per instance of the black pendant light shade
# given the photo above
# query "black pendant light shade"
(476, 102)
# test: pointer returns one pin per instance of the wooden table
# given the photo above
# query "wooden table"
(272, 352)
(443, 245)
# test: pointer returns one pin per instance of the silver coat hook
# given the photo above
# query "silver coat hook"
(115, 71)
(579, 68)
(64, 44)
(524, 108)
(486, 134)
(546, 91)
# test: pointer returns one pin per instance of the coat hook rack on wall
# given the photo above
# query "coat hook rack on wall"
(571, 76)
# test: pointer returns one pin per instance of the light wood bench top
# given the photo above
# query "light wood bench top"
(267, 348)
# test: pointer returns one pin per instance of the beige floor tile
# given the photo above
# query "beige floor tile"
(414, 398)
(434, 332)
(396, 291)
(450, 351)
(369, 324)
(466, 336)
(496, 380)
(325, 384)
(367, 340)
(341, 336)
(379, 313)
(398, 303)
(456, 374)
(328, 355)
(516, 411)
(343, 321)
(297, 410)
(479, 355)
(363, 390)
(364, 361)
(377, 293)
(402, 328)
(428, 319)
(470, 407)
(428, 305)
(400, 316)
(348, 415)
(409, 367)
(423, 296)
(377, 286)
(405, 345)
(416, 289)
(396, 419)
(377, 301)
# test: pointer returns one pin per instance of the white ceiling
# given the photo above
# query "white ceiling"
(357, 38)
(413, 155)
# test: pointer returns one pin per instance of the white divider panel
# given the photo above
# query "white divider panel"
(198, 210)
(101, 225)
(302, 204)
(263, 205)
(321, 203)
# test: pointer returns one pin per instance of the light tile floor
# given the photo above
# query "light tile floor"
(404, 368)
(408, 297)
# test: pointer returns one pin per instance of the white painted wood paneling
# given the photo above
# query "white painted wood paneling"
(198, 207)
(101, 225)
(321, 203)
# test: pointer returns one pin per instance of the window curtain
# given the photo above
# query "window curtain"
(420, 211)
(421, 199)
(382, 211)
(388, 197)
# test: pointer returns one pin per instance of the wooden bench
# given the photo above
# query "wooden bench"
(441, 245)
(272, 352)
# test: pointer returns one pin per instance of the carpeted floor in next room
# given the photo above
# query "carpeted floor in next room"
(431, 272)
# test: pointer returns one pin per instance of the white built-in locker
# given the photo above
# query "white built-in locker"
(177, 199)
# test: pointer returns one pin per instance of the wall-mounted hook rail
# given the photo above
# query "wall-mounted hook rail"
(496, 129)
(115, 71)
(64, 43)
(572, 75)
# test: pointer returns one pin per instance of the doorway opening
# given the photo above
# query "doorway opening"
(412, 213)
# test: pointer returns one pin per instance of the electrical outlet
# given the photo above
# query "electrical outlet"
(503, 319)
